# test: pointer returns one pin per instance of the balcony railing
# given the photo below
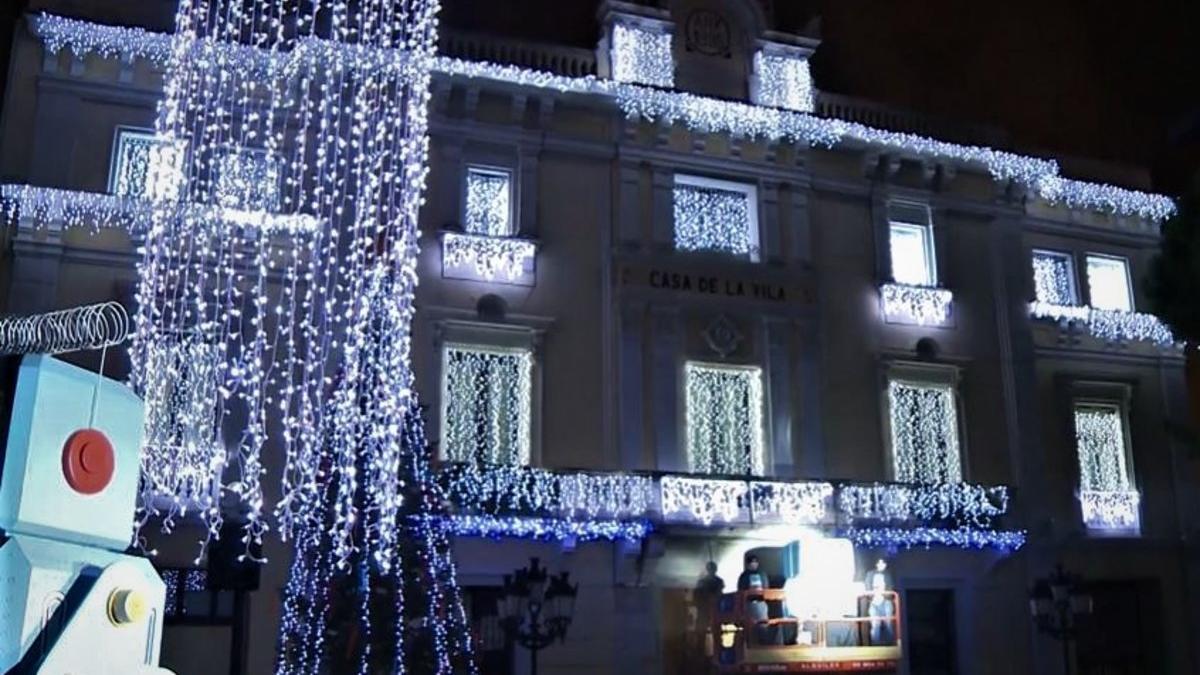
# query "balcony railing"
(567, 61)
(565, 502)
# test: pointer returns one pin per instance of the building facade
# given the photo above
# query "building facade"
(676, 306)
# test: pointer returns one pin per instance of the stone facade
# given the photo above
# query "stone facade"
(612, 310)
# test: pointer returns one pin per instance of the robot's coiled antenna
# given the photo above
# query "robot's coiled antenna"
(98, 326)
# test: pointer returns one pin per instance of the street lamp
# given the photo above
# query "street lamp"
(536, 608)
(1055, 603)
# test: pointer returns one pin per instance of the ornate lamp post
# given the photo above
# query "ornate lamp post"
(1056, 603)
(536, 608)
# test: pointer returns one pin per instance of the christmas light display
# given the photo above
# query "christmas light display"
(701, 500)
(1053, 278)
(145, 166)
(892, 539)
(488, 402)
(547, 529)
(1110, 510)
(724, 419)
(1079, 194)
(783, 81)
(792, 503)
(1106, 495)
(960, 503)
(502, 489)
(611, 495)
(696, 112)
(474, 488)
(924, 430)
(71, 209)
(926, 306)
(641, 54)
(1109, 325)
(491, 257)
(713, 219)
(489, 202)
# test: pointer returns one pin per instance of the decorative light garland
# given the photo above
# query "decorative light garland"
(547, 529)
(494, 489)
(783, 81)
(1110, 510)
(712, 219)
(701, 500)
(791, 503)
(96, 211)
(724, 419)
(611, 495)
(924, 430)
(1106, 496)
(1053, 278)
(893, 539)
(489, 202)
(960, 503)
(642, 55)
(1107, 324)
(927, 306)
(696, 112)
(492, 257)
(488, 404)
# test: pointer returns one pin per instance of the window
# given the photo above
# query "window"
(144, 166)
(911, 243)
(487, 400)
(248, 181)
(1108, 283)
(1106, 493)
(489, 202)
(641, 53)
(1054, 278)
(924, 428)
(715, 215)
(782, 81)
(724, 419)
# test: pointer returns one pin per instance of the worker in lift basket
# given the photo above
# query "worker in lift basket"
(752, 579)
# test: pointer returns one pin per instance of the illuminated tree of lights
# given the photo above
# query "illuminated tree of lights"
(312, 113)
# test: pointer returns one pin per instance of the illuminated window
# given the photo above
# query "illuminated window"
(248, 181)
(489, 202)
(715, 215)
(782, 81)
(1107, 497)
(724, 419)
(487, 401)
(911, 244)
(924, 428)
(1054, 278)
(144, 166)
(642, 54)
(1108, 283)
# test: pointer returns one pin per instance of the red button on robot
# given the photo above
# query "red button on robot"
(88, 461)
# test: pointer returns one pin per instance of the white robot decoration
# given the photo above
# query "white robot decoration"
(71, 601)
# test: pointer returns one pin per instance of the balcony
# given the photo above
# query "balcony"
(920, 305)
(513, 501)
(1110, 325)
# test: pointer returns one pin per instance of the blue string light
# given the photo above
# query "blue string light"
(547, 529)
(893, 539)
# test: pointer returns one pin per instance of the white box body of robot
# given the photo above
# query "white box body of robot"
(71, 600)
